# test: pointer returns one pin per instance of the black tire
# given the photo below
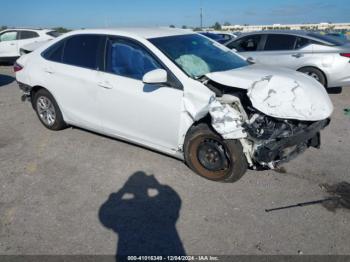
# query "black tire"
(315, 73)
(58, 123)
(231, 169)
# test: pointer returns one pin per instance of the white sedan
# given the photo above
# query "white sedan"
(176, 92)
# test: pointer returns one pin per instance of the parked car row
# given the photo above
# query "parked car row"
(177, 92)
(323, 57)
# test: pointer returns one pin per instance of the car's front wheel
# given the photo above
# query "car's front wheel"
(212, 157)
(48, 111)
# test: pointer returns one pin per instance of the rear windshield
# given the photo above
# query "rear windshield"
(326, 38)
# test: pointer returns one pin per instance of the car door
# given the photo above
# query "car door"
(27, 37)
(71, 74)
(284, 50)
(248, 46)
(8, 44)
(148, 114)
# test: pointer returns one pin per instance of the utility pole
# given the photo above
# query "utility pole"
(201, 15)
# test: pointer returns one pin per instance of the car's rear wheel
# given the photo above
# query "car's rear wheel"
(48, 111)
(314, 73)
(212, 157)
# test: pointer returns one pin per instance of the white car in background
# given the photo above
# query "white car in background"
(177, 92)
(325, 58)
(12, 40)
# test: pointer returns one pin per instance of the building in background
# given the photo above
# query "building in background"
(316, 27)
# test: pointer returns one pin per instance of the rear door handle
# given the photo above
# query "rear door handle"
(105, 85)
(298, 55)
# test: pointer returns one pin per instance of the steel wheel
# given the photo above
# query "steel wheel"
(212, 156)
(46, 110)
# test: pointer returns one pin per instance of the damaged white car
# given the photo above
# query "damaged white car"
(176, 92)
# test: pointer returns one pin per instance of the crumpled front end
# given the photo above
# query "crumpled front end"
(226, 119)
(267, 141)
(280, 93)
(276, 114)
(286, 98)
(278, 141)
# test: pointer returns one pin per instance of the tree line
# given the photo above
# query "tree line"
(58, 29)
(217, 26)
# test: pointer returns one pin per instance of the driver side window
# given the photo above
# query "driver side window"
(246, 44)
(8, 36)
(128, 59)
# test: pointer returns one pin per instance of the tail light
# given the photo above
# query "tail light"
(17, 67)
(345, 54)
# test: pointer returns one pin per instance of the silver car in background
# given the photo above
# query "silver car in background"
(322, 57)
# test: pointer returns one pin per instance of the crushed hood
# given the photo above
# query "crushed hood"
(280, 93)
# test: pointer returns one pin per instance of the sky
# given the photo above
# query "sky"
(111, 13)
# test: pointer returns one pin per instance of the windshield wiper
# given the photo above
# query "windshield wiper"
(201, 78)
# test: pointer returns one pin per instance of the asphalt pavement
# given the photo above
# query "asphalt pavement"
(76, 192)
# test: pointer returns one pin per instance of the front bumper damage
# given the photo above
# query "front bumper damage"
(276, 152)
(265, 145)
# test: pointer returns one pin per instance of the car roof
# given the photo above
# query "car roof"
(222, 32)
(302, 33)
(285, 32)
(143, 32)
(29, 29)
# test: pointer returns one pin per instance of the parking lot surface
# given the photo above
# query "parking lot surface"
(76, 192)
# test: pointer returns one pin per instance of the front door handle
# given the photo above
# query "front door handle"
(298, 55)
(105, 85)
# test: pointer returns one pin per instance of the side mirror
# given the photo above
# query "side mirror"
(157, 76)
(251, 60)
(234, 50)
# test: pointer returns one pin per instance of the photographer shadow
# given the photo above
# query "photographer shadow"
(143, 214)
(6, 80)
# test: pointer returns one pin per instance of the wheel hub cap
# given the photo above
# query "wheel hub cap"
(46, 110)
(211, 154)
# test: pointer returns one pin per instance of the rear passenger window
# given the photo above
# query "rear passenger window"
(27, 34)
(126, 58)
(246, 44)
(54, 53)
(83, 51)
(275, 42)
(301, 42)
